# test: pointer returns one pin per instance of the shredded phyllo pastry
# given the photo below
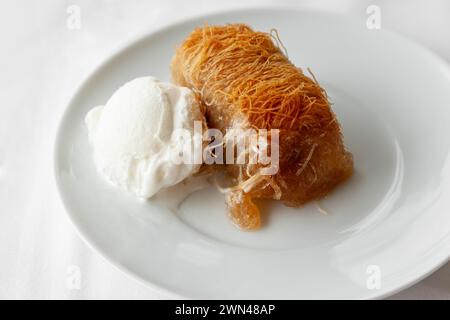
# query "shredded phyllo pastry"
(246, 81)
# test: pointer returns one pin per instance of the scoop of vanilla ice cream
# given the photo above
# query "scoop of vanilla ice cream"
(132, 135)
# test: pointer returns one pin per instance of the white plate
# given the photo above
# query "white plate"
(389, 225)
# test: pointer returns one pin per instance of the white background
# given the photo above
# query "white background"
(43, 62)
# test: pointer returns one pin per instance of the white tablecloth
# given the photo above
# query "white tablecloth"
(42, 62)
